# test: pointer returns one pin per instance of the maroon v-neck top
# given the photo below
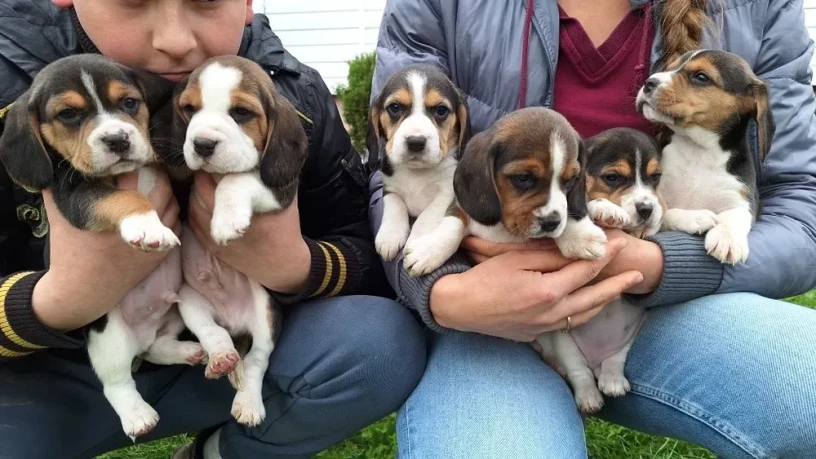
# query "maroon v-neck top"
(595, 88)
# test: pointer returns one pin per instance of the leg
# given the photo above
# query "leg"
(728, 241)
(111, 352)
(394, 228)
(728, 372)
(168, 350)
(484, 397)
(427, 253)
(605, 212)
(248, 406)
(198, 312)
(582, 239)
(431, 216)
(572, 363)
(689, 221)
(612, 381)
(339, 365)
(237, 197)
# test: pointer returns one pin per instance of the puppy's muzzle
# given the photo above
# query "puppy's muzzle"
(204, 147)
(549, 223)
(416, 144)
(650, 85)
(644, 211)
(117, 143)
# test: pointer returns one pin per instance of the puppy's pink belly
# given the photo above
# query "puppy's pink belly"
(608, 332)
(229, 291)
(145, 306)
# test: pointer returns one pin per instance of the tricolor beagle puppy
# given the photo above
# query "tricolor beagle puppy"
(706, 98)
(623, 173)
(234, 124)
(84, 120)
(421, 120)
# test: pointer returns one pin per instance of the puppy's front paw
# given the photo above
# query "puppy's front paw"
(389, 242)
(422, 256)
(724, 245)
(582, 240)
(613, 384)
(248, 408)
(588, 398)
(139, 420)
(147, 233)
(229, 223)
(696, 221)
(607, 213)
(221, 363)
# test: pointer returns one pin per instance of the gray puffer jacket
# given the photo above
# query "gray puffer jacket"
(479, 43)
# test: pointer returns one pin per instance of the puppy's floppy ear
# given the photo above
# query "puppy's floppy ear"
(374, 134)
(474, 181)
(766, 125)
(577, 195)
(173, 153)
(286, 149)
(463, 118)
(21, 147)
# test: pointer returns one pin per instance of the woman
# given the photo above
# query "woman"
(726, 370)
(346, 356)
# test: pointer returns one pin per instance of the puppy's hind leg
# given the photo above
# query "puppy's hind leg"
(248, 407)
(580, 376)
(168, 350)
(612, 381)
(111, 351)
(198, 314)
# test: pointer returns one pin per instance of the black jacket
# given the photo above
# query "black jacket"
(333, 196)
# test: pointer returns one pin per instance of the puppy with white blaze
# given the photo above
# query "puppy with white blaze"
(623, 173)
(707, 99)
(421, 121)
(84, 121)
(234, 124)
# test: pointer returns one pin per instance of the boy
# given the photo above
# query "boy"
(338, 365)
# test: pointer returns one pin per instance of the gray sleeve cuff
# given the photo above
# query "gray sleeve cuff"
(416, 291)
(689, 272)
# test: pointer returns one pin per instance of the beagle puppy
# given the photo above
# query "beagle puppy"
(623, 173)
(84, 120)
(234, 124)
(706, 98)
(421, 121)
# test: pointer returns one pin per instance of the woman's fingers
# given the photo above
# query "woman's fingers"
(491, 249)
(578, 273)
(591, 297)
(575, 320)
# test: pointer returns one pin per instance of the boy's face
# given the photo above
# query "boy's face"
(166, 37)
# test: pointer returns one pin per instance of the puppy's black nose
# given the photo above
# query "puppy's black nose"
(650, 84)
(644, 210)
(550, 222)
(416, 143)
(117, 142)
(204, 147)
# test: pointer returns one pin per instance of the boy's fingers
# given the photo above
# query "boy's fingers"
(578, 273)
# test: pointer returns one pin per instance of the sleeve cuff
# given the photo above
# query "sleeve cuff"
(335, 270)
(22, 333)
(416, 291)
(689, 272)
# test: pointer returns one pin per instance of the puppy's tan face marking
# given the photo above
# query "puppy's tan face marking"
(389, 122)
(598, 188)
(437, 103)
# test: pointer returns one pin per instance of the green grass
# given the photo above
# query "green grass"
(378, 441)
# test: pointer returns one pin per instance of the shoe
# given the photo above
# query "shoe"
(185, 452)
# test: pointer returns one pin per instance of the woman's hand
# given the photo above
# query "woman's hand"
(272, 251)
(638, 255)
(89, 272)
(521, 294)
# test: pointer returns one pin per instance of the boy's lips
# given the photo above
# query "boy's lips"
(174, 76)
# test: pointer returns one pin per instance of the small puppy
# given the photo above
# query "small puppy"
(421, 120)
(523, 178)
(706, 98)
(232, 121)
(84, 120)
(623, 172)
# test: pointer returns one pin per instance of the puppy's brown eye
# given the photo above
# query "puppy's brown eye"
(441, 112)
(523, 182)
(129, 105)
(241, 114)
(700, 78)
(612, 179)
(394, 109)
(655, 178)
(188, 110)
(69, 116)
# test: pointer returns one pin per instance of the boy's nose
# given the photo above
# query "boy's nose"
(173, 37)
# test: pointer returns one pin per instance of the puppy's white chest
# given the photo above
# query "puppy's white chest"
(697, 178)
(419, 187)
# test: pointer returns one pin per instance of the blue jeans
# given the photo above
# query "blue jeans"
(339, 365)
(733, 373)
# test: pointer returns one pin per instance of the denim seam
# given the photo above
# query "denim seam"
(716, 423)
(408, 428)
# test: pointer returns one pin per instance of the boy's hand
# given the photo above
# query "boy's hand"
(271, 251)
(91, 272)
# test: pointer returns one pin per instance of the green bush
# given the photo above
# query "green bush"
(355, 97)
